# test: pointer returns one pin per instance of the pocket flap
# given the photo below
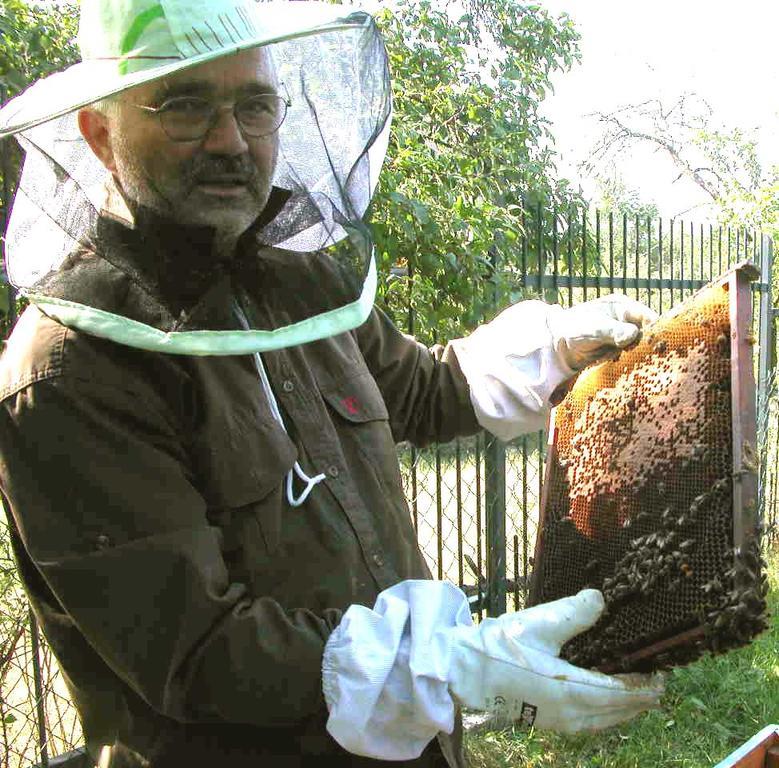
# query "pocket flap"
(357, 398)
(244, 462)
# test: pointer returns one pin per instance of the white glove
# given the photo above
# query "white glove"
(586, 332)
(512, 368)
(517, 363)
(391, 675)
(510, 666)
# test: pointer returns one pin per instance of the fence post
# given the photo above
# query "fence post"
(40, 707)
(495, 504)
(767, 354)
(766, 337)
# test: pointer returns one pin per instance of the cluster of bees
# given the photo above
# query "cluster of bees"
(663, 558)
(641, 501)
(734, 610)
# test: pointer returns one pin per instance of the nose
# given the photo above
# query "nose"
(225, 136)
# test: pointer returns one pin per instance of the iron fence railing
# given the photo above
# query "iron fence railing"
(474, 502)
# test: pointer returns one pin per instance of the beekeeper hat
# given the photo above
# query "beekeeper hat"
(125, 43)
(333, 65)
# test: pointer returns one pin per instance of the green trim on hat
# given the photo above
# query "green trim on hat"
(131, 333)
(137, 28)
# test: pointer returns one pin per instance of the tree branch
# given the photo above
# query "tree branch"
(622, 134)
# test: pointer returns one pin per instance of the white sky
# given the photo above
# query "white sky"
(633, 51)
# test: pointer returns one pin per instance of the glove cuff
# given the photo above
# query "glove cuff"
(384, 670)
(512, 368)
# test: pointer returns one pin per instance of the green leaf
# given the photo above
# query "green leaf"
(726, 733)
(697, 703)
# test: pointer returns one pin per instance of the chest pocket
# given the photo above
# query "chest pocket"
(361, 418)
(356, 399)
(243, 460)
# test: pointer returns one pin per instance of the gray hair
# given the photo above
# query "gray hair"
(106, 106)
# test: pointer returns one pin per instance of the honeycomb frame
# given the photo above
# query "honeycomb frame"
(646, 497)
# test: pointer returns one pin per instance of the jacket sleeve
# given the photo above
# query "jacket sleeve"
(424, 388)
(100, 491)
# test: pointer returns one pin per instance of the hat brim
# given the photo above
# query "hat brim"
(89, 81)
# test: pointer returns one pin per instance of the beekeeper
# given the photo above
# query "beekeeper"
(201, 404)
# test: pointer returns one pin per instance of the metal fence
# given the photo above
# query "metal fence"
(475, 502)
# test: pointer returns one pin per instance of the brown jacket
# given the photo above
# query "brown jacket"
(187, 602)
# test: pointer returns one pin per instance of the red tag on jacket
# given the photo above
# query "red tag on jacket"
(350, 403)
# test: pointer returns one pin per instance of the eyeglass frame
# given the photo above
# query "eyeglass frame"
(285, 100)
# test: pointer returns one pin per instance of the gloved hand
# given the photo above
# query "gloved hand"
(392, 674)
(521, 363)
(510, 666)
(586, 332)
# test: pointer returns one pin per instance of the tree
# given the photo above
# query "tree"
(614, 195)
(469, 153)
(723, 161)
(748, 194)
(35, 39)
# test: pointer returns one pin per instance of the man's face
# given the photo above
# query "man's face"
(222, 180)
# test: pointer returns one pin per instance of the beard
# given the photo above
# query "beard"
(177, 191)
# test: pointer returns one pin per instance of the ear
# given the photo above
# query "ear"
(96, 129)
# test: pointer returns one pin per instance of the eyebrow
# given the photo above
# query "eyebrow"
(205, 90)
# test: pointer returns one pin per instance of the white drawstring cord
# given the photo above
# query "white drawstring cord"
(274, 408)
(298, 470)
(309, 481)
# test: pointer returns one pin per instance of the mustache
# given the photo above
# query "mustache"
(204, 167)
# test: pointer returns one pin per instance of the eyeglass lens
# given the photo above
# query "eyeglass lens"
(186, 118)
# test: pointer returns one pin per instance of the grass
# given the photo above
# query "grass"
(709, 709)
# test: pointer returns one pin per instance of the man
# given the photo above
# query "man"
(200, 339)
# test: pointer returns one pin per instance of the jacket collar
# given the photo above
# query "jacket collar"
(173, 262)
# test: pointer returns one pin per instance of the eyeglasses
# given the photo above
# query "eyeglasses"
(190, 118)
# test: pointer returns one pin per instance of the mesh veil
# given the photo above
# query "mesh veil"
(314, 273)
